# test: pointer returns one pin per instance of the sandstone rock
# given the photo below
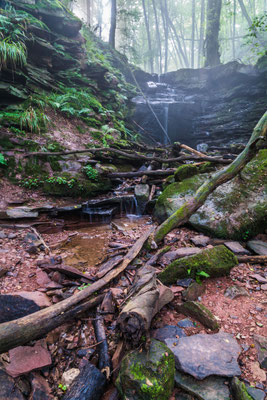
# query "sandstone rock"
(69, 376)
(200, 313)
(147, 375)
(21, 212)
(210, 388)
(236, 248)
(235, 291)
(200, 240)
(24, 359)
(204, 355)
(258, 246)
(170, 256)
(193, 292)
(41, 299)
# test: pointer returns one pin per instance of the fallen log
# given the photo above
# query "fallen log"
(108, 265)
(181, 216)
(157, 172)
(146, 297)
(36, 325)
(103, 356)
(89, 385)
(252, 259)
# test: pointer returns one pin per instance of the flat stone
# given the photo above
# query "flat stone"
(261, 346)
(21, 212)
(256, 394)
(200, 313)
(210, 388)
(200, 240)
(204, 355)
(9, 390)
(235, 291)
(185, 323)
(69, 376)
(258, 246)
(42, 278)
(24, 359)
(193, 292)
(236, 248)
(170, 256)
(258, 278)
(186, 282)
(41, 299)
(168, 331)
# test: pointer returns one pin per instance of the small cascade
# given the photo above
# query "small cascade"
(165, 123)
(99, 214)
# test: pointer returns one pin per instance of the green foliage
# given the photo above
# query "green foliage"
(91, 172)
(60, 180)
(31, 183)
(2, 160)
(256, 39)
(33, 120)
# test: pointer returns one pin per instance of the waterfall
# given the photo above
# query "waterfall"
(165, 122)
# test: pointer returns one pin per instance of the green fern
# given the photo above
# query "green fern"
(12, 53)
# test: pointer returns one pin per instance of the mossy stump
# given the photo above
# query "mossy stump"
(217, 261)
(147, 375)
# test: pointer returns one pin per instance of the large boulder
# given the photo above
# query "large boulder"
(235, 210)
(147, 375)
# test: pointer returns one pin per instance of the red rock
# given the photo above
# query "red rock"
(41, 299)
(42, 278)
(24, 359)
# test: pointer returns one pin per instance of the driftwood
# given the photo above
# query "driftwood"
(36, 325)
(89, 385)
(100, 334)
(146, 297)
(252, 259)
(181, 216)
(131, 155)
(193, 151)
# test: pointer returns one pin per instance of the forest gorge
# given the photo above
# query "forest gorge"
(133, 199)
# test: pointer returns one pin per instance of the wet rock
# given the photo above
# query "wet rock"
(236, 248)
(69, 376)
(186, 282)
(41, 299)
(217, 261)
(147, 374)
(258, 246)
(40, 388)
(200, 240)
(21, 212)
(168, 331)
(245, 392)
(142, 192)
(170, 256)
(261, 346)
(200, 313)
(193, 292)
(256, 394)
(235, 291)
(13, 307)
(185, 323)
(210, 388)
(8, 387)
(204, 355)
(24, 359)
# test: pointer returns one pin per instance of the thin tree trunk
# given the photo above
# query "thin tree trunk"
(234, 21)
(177, 40)
(148, 37)
(212, 33)
(193, 34)
(182, 215)
(113, 23)
(163, 7)
(201, 34)
(244, 12)
(158, 36)
(88, 12)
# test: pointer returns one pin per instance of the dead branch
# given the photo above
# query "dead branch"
(253, 259)
(103, 357)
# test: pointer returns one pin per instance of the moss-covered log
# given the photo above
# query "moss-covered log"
(181, 216)
(217, 261)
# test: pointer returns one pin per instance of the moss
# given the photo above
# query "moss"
(217, 261)
(201, 313)
(188, 170)
(170, 179)
(147, 375)
(239, 390)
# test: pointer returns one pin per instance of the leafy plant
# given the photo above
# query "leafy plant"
(33, 120)
(91, 172)
(84, 286)
(2, 160)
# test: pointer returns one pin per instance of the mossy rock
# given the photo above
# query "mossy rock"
(188, 170)
(237, 209)
(175, 194)
(239, 390)
(170, 179)
(147, 375)
(216, 262)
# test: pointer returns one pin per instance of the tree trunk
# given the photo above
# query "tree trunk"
(158, 36)
(212, 33)
(148, 37)
(182, 215)
(177, 40)
(193, 34)
(201, 34)
(244, 12)
(166, 32)
(233, 39)
(113, 23)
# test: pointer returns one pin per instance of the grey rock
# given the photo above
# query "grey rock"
(2, 235)
(235, 291)
(170, 256)
(258, 246)
(21, 212)
(236, 248)
(256, 394)
(200, 240)
(210, 388)
(142, 192)
(8, 387)
(193, 292)
(168, 331)
(186, 282)
(200, 313)
(185, 323)
(261, 346)
(204, 355)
